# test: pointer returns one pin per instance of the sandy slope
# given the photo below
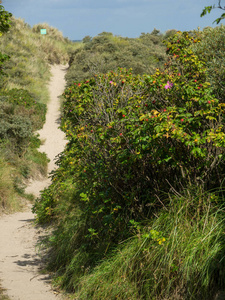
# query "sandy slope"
(19, 259)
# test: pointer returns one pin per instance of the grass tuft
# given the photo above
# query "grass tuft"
(189, 264)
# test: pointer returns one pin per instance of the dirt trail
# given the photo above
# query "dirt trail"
(19, 259)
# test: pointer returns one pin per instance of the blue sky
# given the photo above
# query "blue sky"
(127, 18)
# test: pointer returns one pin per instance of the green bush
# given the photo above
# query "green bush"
(131, 140)
(18, 130)
(211, 49)
(20, 116)
(107, 52)
(25, 105)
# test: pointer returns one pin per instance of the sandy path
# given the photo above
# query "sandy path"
(19, 260)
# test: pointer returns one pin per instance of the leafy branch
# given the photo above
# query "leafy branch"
(208, 9)
(5, 17)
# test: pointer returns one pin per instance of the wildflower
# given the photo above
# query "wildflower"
(168, 85)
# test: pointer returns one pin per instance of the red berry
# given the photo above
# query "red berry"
(123, 116)
(182, 120)
(209, 101)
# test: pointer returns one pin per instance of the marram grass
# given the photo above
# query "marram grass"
(179, 255)
(8, 201)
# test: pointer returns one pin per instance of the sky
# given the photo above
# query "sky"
(127, 18)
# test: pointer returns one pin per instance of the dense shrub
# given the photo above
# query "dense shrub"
(211, 50)
(106, 52)
(20, 116)
(24, 104)
(132, 139)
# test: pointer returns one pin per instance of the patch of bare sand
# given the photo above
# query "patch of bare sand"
(20, 262)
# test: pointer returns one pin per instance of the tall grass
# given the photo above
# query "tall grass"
(8, 195)
(2, 294)
(189, 264)
(31, 55)
(177, 254)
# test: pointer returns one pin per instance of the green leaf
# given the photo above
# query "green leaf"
(206, 10)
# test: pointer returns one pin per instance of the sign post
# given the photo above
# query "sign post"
(43, 31)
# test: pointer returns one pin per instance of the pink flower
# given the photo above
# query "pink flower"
(168, 85)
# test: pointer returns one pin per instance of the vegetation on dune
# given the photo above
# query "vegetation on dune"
(30, 56)
(25, 72)
(137, 200)
(211, 51)
(179, 255)
(106, 52)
